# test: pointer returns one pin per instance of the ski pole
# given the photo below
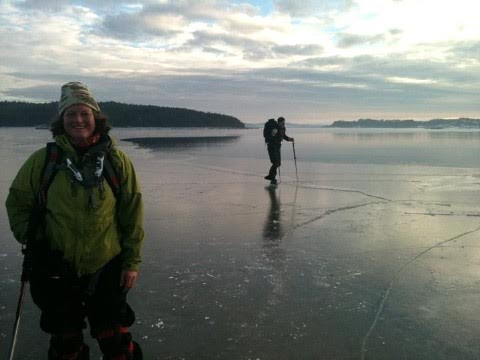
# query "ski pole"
(37, 215)
(295, 159)
(24, 279)
(11, 353)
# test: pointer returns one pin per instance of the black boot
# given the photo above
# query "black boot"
(137, 352)
(84, 354)
(118, 344)
(68, 346)
(272, 173)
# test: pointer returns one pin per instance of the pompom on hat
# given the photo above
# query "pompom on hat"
(74, 93)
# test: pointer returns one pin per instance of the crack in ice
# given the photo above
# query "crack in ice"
(344, 190)
(332, 211)
(392, 282)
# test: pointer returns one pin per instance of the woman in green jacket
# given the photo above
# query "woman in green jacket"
(87, 246)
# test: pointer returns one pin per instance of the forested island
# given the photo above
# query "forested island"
(14, 113)
(467, 123)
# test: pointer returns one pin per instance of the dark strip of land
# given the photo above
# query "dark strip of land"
(430, 124)
(120, 115)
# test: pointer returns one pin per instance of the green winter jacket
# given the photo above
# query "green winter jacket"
(88, 237)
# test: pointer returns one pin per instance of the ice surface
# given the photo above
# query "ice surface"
(372, 254)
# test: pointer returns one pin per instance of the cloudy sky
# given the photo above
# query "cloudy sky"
(312, 61)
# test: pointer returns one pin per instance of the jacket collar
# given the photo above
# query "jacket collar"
(105, 144)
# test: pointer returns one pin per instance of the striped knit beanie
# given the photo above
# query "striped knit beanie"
(74, 93)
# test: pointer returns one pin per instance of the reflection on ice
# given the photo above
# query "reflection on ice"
(178, 143)
(273, 229)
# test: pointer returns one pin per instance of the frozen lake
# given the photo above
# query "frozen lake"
(372, 254)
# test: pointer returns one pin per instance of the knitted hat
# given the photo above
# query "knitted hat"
(74, 93)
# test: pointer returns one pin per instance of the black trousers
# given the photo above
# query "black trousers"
(66, 300)
(275, 158)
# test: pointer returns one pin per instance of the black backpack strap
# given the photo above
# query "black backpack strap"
(54, 158)
(50, 168)
(111, 176)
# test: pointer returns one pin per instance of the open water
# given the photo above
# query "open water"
(372, 253)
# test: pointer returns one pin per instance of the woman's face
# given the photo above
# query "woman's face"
(79, 122)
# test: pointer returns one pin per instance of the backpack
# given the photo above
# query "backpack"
(268, 130)
(54, 159)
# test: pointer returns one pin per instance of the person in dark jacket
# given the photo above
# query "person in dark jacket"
(274, 145)
(87, 254)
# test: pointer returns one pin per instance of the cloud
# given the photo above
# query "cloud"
(312, 49)
(228, 43)
(349, 40)
(467, 51)
(307, 8)
(141, 26)
(177, 22)
(51, 5)
(404, 80)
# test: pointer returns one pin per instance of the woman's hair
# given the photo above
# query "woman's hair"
(102, 126)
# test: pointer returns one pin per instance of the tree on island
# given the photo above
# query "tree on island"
(120, 115)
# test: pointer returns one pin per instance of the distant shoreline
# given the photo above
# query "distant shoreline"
(21, 114)
(434, 124)
(464, 123)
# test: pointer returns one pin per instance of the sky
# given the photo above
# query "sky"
(310, 61)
